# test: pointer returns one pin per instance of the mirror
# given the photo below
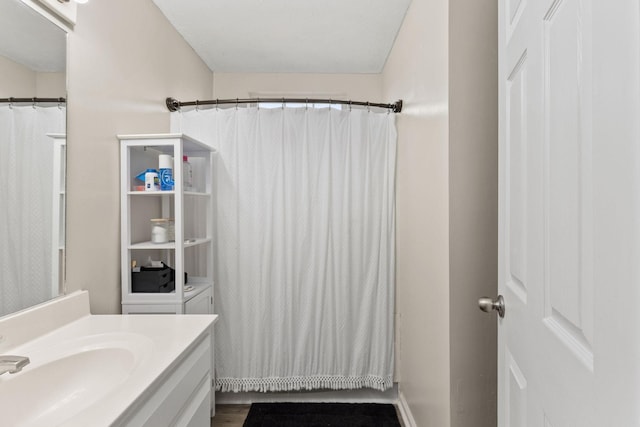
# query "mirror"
(32, 157)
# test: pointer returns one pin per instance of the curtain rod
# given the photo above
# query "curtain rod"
(32, 100)
(174, 105)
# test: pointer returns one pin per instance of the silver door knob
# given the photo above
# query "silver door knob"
(488, 305)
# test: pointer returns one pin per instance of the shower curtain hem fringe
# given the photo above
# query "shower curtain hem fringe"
(337, 382)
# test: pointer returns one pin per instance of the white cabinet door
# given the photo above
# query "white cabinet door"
(569, 352)
(200, 304)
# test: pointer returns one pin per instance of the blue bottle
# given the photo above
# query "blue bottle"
(165, 172)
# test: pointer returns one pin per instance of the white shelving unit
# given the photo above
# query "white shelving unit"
(192, 212)
(58, 213)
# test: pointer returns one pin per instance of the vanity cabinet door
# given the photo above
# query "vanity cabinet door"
(182, 397)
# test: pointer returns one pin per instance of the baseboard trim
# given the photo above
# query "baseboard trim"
(405, 411)
(342, 396)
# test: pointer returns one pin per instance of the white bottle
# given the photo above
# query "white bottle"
(151, 182)
(187, 174)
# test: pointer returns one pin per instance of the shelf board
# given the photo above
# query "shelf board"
(198, 288)
(169, 245)
(151, 193)
(196, 194)
(163, 142)
(165, 193)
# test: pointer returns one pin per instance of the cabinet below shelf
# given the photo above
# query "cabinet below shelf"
(152, 297)
(197, 301)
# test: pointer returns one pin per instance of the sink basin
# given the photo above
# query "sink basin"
(63, 380)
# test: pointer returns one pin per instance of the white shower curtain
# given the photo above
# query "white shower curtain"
(305, 246)
(26, 173)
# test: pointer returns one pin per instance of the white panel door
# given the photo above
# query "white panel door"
(569, 213)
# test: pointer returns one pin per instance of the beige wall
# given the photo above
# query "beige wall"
(18, 81)
(473, 209)
(363, 87)
(444, 66)
(51, 85)
(15, 79)
(124, 60)
(417, 72)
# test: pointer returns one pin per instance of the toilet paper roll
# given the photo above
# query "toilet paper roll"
(165, 161)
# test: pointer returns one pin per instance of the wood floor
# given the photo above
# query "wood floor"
(234, 416)
(230, 415)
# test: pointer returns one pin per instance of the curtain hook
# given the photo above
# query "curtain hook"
(258, 102)
(216, 104)
(306, 104)
(283, 103)
(368, 107)
(349, 105)
(236, 103)
(33, 104)
(11, 103)
(197, 105)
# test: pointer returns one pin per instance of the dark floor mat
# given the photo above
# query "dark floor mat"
(321, 415)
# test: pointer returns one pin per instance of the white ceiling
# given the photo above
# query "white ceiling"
(306, 36)
(29, 39)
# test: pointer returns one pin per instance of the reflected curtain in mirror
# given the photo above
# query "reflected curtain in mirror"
(26, 194)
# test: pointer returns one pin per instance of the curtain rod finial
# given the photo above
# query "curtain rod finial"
(173, 104)
(397, 106)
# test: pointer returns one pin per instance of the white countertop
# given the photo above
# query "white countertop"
(163, 341)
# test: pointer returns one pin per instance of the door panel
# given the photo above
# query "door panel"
(569, 213)
(516, 182)
(567, 163)
(516, 393)
(551, 365)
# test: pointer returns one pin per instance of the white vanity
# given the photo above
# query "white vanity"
(105, 370)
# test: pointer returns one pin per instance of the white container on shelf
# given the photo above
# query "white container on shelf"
(151, 182)
(160, 230)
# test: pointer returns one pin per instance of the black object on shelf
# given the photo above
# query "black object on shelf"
(153, 280)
